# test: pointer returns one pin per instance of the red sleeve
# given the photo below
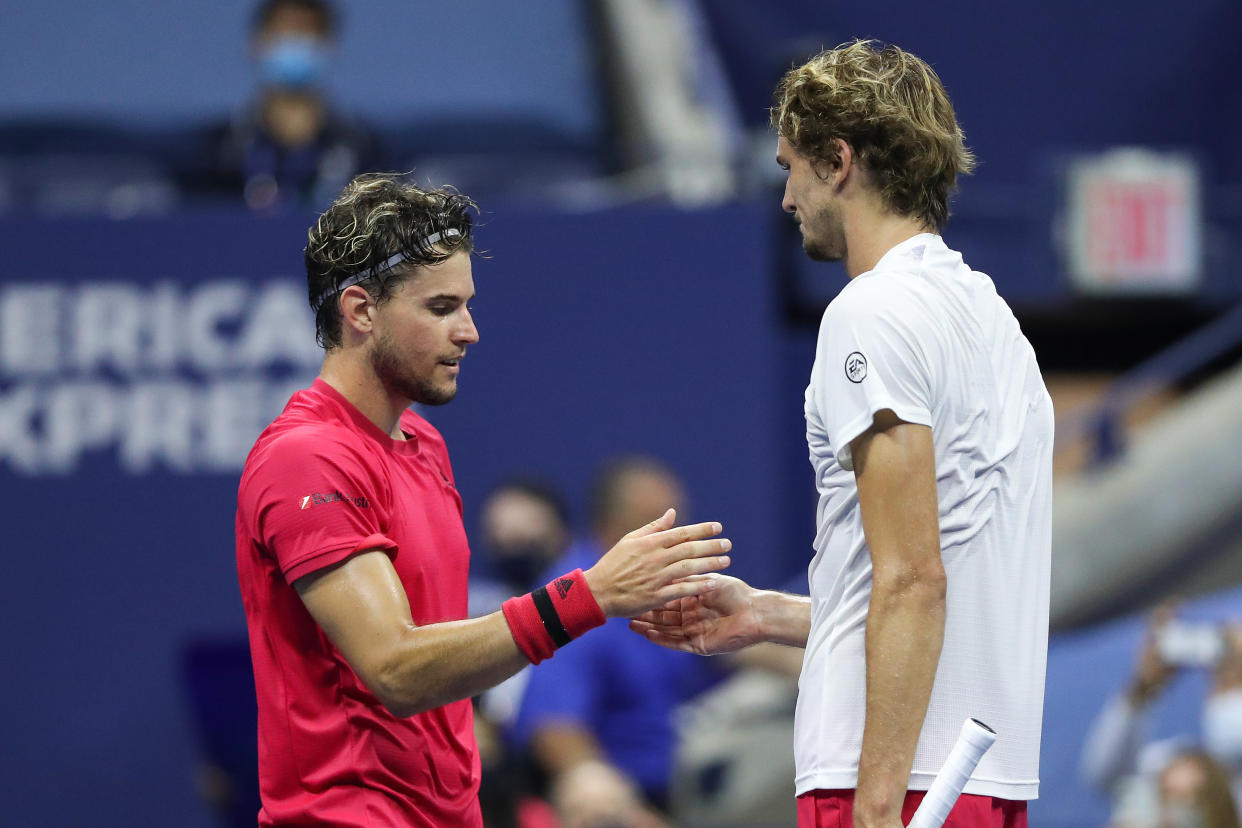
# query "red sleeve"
(319, 502)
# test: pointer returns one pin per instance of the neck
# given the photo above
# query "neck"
(293, 118)
(349, 372)
(869, 236)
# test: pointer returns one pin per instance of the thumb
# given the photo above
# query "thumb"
(664, 521)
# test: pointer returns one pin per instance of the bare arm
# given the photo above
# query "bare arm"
(363, 609)
(894, 463)
(586, 789)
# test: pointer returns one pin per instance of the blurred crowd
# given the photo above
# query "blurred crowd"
(295, 140)
(1180, 782)
(614, 732)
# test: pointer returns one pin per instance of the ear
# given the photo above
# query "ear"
(845, 165)
(835, 172)
(357, 310)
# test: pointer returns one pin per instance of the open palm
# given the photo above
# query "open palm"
(719, 620)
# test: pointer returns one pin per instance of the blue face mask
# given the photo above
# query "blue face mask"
(293, 61)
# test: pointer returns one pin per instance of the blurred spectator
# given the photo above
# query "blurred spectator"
(599, 717)
(523, 528)
(1151, 783)
(289, 145)
(1195, 793)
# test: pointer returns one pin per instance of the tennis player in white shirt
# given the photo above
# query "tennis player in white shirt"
(930, 432)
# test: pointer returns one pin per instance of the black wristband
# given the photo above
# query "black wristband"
(551, 620)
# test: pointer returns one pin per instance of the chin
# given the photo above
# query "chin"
(436, 396)
(817, 253)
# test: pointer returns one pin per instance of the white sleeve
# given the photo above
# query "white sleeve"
(1111, 749)
(871, 357)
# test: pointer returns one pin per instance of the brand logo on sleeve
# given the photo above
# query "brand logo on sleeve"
(316, 498)
(563, 585)
(856, 367)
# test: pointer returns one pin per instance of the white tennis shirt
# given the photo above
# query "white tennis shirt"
(925, 336)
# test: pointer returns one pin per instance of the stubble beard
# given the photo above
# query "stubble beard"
(397, 379)
(828, 243)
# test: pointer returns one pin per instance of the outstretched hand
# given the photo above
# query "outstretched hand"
(721, 618)
(656, 564)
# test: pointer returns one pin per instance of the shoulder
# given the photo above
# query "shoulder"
(287, 447)
(889, 297)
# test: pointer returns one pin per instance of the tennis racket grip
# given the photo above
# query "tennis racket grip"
(972, 743)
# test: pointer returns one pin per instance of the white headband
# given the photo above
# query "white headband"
(384, 266)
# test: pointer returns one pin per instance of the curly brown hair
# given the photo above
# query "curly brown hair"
(892, 110)
(376, 217)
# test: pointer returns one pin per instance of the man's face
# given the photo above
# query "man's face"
(522, 534)
(812, 201)
(292, 21)
(641, 497)
(422, 331)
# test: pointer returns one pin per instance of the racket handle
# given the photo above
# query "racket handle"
(972, 743)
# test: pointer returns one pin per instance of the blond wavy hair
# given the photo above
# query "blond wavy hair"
(892, 110)
(378, 216)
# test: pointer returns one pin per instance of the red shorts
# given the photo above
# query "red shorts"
(835, 809)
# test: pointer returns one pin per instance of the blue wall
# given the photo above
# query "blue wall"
(1028, 80)
(399, 62)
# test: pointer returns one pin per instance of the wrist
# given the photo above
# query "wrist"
(551, 616)
(764, 604)
(773, 617)
(603, 597)
(872, 807)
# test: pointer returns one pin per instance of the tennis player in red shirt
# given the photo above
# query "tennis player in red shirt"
(351, 553)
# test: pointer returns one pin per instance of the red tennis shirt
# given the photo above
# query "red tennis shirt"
(322, 483)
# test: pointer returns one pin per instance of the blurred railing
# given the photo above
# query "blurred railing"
(1103, 424)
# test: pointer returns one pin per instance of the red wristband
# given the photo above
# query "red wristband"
(574, 603)
(552, 616)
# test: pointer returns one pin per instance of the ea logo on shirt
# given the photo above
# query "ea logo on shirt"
(856, 367)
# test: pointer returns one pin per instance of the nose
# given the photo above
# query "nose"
(466, 332)
(787, 202)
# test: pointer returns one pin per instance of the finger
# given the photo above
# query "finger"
(642, 628)
(662, 616)
(696, 566)
(669, 641)
(696, 549)
(680, 534)
(667, 619)
(686, 588)
(660, 524)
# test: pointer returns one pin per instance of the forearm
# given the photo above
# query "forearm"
(433, 665)
(559, 746)
(905, 632)
(782, 618)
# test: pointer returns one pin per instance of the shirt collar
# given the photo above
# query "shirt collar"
(912, 249)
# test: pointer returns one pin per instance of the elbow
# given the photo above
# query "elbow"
(925, 582)
(390, 683)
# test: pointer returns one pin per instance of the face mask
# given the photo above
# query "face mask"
(1222, 727)
(519, 566)
(292, 61)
